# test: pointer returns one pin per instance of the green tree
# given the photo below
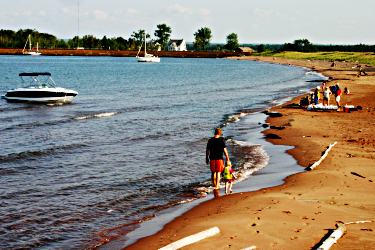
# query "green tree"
(260, 48)
(232, 42)
(90, 42)
(139, 36)
(7, 38)
(21, 37)
(75, 42)
(202, 38)
(301, 45)
(61, 44)
(163, 34)
(122, 43)
(105, 43)
(46, 40)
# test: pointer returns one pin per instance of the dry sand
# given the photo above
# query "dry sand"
(299, 213)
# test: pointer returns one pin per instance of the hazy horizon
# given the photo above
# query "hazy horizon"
(255, 22)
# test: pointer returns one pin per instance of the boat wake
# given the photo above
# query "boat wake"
(93, 116)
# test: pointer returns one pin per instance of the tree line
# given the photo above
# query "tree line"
(17, 39)
(202, 42)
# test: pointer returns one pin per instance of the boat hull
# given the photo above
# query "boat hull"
(32, 53)
(148, 59)
(47, 95)
(66, 99)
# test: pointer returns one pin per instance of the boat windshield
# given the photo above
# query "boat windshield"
(38, 79)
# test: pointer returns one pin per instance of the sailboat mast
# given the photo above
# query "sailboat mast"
(29, 42)
(145, 44)
(24, 47)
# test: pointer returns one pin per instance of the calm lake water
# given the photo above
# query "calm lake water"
(131, 143)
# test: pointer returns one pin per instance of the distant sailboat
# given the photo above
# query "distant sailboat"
(147, 57)
(30, 51)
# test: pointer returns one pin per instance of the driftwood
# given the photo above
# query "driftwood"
(272, 113)
(333, 237)
(191, 239)
(249, 248)
(359, 222)
(324, 155)
(330, 239)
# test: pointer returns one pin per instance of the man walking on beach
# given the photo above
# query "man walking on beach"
(214, 156)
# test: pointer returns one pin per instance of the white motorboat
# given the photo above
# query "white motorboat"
(41, 88)
(30, 51)
(147, 57)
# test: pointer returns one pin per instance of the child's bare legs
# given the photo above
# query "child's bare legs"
(228, 187)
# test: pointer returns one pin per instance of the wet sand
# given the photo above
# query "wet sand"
(299, 213)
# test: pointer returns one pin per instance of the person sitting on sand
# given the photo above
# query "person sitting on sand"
(311, 97)
(326, 94)
(228, 177)
(305, 101)
(214, 156)
(346, 91)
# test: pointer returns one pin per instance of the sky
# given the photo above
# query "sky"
(254, 21)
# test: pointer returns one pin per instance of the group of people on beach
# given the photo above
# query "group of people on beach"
(326, 92)
(215, 151)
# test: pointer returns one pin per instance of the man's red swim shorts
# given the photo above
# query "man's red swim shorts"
(217, 165)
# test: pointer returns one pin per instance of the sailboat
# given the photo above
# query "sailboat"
(30, 51)
(147, 57)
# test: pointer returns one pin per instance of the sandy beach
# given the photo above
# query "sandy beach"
(299, 213)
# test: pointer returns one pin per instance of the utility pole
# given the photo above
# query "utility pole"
(78, 24)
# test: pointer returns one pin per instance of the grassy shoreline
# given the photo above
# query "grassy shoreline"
(367, 58)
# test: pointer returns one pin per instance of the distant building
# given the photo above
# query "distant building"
(177, 45)
(158, 46)
(245, 50)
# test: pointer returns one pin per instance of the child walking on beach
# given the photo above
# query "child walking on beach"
(228, 177)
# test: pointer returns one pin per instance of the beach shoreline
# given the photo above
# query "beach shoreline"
(273, 174)
(309, 203)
